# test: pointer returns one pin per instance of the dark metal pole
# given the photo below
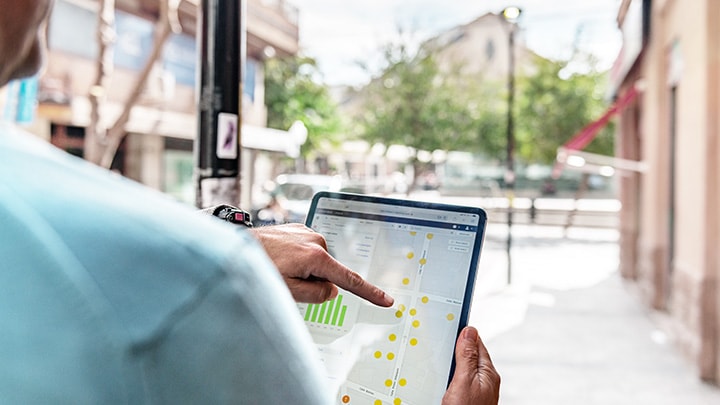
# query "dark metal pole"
(217, 150)
(510, 169)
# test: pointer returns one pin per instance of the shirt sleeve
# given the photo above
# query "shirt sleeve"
(240, 340)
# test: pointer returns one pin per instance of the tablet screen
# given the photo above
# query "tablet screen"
(424, 255)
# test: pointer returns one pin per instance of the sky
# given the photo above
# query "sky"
(339, 33)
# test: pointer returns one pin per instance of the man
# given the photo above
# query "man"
(111, 293)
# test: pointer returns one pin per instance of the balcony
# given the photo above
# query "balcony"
(270, 23)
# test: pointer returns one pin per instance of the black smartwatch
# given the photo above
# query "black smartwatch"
(233, 215)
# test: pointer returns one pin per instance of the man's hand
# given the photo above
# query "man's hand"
(475, 381)
(308, 269)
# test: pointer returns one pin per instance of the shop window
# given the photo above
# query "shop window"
(179, 166)
(69, 138)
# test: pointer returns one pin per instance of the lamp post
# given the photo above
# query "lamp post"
(217, 149)
(510, 14)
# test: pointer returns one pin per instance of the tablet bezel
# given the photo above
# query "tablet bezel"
(477, 247)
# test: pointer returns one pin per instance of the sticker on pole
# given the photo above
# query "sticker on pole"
(227, 136)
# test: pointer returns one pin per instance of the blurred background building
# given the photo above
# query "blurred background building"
(670, 224)
(158, 150)
(162, 126)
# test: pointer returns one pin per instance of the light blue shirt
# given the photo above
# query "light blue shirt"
(112, 293)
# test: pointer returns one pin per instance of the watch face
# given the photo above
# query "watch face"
(240, 217)
(235, 215)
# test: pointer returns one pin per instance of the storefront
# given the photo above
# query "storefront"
(671, 225)
(157, 148)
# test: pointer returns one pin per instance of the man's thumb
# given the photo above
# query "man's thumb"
(467, 353)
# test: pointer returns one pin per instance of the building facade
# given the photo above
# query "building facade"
(482, 49)
(670, 232)
(158, 150)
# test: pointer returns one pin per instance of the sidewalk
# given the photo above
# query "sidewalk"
(568, 330)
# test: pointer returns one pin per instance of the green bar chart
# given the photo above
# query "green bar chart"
(328, 313)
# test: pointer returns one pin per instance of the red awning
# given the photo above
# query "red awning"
(588, 133)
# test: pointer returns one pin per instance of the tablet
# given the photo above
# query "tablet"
(425, 256)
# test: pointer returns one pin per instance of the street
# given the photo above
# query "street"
(568, 330)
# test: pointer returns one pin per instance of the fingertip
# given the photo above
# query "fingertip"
(333, 292)
(389, 301)
(471, 334)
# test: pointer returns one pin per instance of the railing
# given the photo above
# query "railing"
(566, 212)
(556, 212)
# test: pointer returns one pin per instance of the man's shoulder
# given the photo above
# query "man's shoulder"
(133, 241)
(82, 201)
(180, 291)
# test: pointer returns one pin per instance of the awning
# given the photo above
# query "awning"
(583, 138)
(149, 120)
(274, 140)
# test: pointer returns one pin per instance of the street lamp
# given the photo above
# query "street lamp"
(511, 15)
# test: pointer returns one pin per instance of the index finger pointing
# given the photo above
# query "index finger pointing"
(338, 274)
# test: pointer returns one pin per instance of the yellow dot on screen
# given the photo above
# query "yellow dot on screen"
(406, 281)
(413, 342)
(413, 233)
(398, 314)
(402, 307)
(410, 255)
(345, 399)
(430, 236)
(402, 382)
(413, 312)
(416, 323)
(390, 356)
(392, 337)
(377, 402)
(450, 317)
(397, 401)
(378, 354)
(425, 300)
(423, 260)
(388, 383)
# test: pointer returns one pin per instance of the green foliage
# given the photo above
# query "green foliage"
(413, 104)
(292, 94)
(550, 110)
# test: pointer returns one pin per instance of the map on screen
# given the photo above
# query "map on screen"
(423, 254)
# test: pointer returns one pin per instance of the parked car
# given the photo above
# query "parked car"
(290, 198)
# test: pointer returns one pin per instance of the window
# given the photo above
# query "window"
(490, 50)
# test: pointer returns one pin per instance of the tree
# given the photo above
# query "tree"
(551, 109)
(293, 94)
(102, 142)
(412, 103)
